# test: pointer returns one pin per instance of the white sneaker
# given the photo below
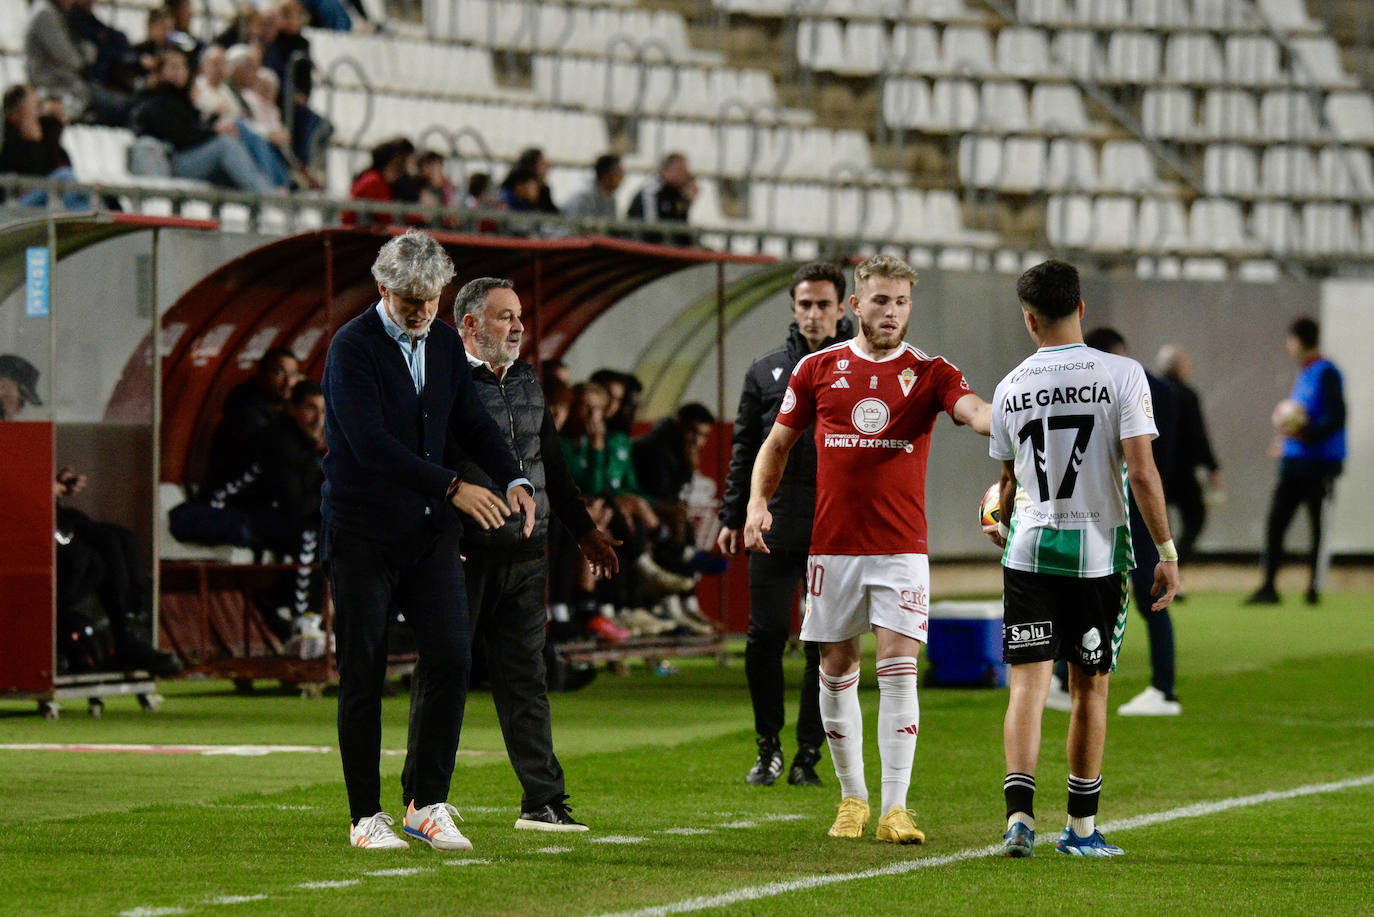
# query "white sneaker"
(1058, 698)
(434, 825)
(374, 833)
(1150, 702)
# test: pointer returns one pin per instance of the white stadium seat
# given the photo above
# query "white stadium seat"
(1288, 115)
(1230, 114)
(967, 50)
(1345, 173)
(1161, 225)
(1351, 116)
(1128, 166)
(1023, 52)
(1113, 223)
(1229, 169)
(1192, 57)
(1133, 57)
(1168, 113)
(1078, 54)
(1252, 60)
(1058, 108)
(1071, 165)
(1069, 220)
(1290, 171)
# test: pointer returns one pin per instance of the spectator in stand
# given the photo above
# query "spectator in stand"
(250, 409)
(481, 195)
(505, 573)
(113, 65)
(391, 160)
(33, 146)
(221, 106)
(54, 64)
(666, 198)
(624, 390)
(182, 12)
(1194, 451)
(157, 38)
(520, 191)
(597, 201)
(288, 54)
(199, 150)
(532, 161)
(246, 28)
(666, 456)
(436, 190)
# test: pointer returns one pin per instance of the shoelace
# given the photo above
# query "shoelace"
(442, 814)
(379, 826)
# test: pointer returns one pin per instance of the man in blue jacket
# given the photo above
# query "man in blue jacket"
(395, 384)
(1311, 457)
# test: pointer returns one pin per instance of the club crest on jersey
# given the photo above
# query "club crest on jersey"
(789, 401)
(907, 379)
(841, 366)
(870, 416)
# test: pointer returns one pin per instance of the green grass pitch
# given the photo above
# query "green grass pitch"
(1274, 698)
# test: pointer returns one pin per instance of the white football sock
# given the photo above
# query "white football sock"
(844, 731)
(899, 719)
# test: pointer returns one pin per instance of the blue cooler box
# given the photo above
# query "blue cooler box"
(964, 645)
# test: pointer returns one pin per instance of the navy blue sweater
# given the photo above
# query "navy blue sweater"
(383, 474)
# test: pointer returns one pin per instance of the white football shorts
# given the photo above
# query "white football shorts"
(850, 594)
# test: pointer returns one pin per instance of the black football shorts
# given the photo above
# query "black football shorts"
(1048, 617)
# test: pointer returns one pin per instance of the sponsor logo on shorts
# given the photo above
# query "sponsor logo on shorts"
(914, 600)
(1025, 636)
(870, 416)
(1092, 639)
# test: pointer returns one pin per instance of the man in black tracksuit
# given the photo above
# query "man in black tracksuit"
(817, 293)
(506, 573)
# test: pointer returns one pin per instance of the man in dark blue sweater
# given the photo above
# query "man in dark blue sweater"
(395, 384)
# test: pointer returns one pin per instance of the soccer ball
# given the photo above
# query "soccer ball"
(989, 508)
(1289, 417)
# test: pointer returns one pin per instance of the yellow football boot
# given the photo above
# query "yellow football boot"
(898, 826)
(852, 818)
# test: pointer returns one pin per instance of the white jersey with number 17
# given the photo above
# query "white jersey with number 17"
(1061, 415)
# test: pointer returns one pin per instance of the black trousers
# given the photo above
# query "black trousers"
(1307, 488)
(1158, 624)
(422, 577)
(773, 582)
(1186, 494)
(506, 598)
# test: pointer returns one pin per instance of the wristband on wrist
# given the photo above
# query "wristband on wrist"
(1003, 531)
(1167, 552)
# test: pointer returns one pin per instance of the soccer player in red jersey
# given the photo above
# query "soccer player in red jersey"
(873, 400)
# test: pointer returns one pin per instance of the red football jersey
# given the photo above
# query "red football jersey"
(873, 420)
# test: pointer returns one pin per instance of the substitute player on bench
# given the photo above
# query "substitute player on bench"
(874, 400)
(1063, 423)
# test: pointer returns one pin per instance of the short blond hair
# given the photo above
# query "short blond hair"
(888, 267)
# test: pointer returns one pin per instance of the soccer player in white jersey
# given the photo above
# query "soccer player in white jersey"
(1070, 425)
(874, 400)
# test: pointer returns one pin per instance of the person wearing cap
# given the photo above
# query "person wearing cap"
(18, 385)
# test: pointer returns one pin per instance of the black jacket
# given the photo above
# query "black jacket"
(794, 504)
(383, 474)
(1194, 445)
(247, 413)
(167, 113)
(661, 466)
(516, 403)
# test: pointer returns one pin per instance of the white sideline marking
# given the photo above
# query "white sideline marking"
(152, 911)
(686, 832)
(239, 751)
(744, 823)
(554, 850)
(329, 883)
(616, 839)
(398, 871)
(231, 805)
(755, 892)
(236, 899)
(464, 863)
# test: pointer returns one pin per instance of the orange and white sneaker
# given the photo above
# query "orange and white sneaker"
(374, 833)
(434, 825)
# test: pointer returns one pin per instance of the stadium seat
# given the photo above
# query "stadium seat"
(980, 161)
(1287, 15)
(1168, 113)
(1160, 14)
(1222, 15)
(917, 49)
(1069, 220)
(1045, 12)
(1161, 225)
(967, 50)
(1113, 223)
(1275, 226)
(1023, 53)
(1230, 114)
(1133, 57)
(1104, 12)
(1290, 171)
(1345, 173)
(1078, 54)
(1003, 107)
(1071, 165)
(865, 49)
(1058, 108)
(1318, 63)
(14, 19)
(954, 105)
(1128, 166)
(1288, 115)
(906, 103)
(1351, 116)
(1193, 58)
(820, 44)
(1230, 170)
(1216, 224)
(1252, 60)
(1328, 230)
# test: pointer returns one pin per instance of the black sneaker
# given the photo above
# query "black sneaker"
(1265, 595)
(1313, 597)
(769, 764)
(555, 816)
(803, 770)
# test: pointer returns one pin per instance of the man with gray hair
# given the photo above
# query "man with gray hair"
(505, 573)
(395, 389)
